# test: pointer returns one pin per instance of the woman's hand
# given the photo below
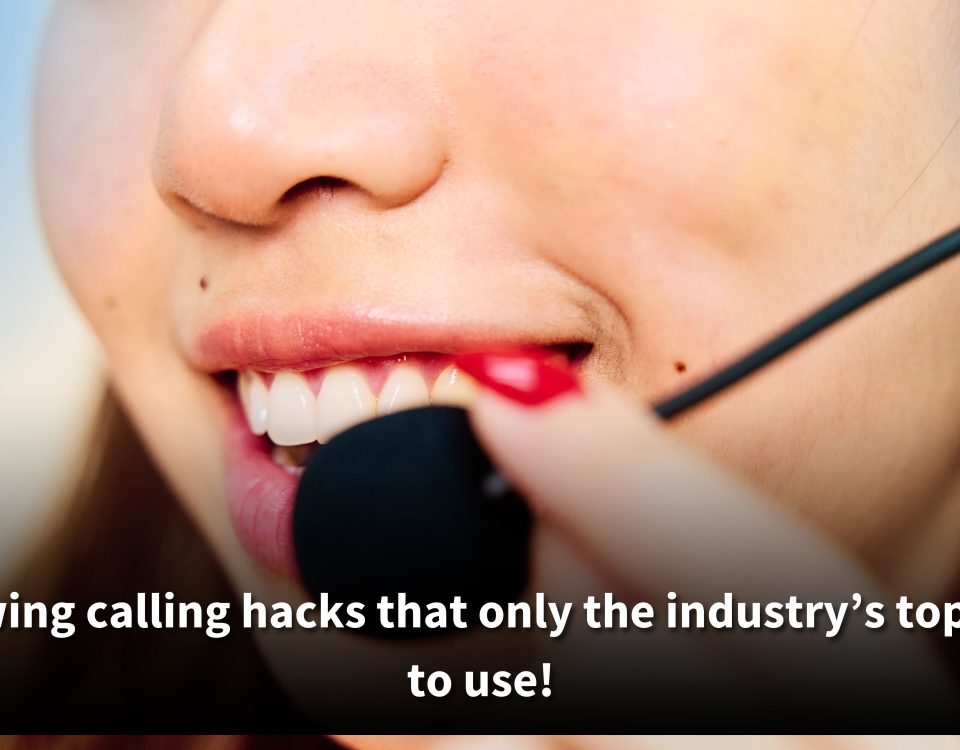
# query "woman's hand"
(653, 513)
(649, 515)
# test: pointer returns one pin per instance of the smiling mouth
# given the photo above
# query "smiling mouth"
(294, 382)
(295, 412)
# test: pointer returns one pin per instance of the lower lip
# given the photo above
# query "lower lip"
(260, 496)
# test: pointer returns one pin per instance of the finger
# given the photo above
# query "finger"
(660, 517)
(652, 511)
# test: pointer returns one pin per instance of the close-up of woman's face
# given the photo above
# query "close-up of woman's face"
(283, 223)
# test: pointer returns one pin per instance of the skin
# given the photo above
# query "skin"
(670, 182)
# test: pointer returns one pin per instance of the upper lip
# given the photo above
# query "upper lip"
(314, 339)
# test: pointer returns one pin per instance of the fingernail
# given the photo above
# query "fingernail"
(526, 377)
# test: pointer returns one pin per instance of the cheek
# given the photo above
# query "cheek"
(115, 243)
(702, 117)
(681, 158)
(97, 115)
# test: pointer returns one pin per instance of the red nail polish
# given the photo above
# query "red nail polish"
(525, 377)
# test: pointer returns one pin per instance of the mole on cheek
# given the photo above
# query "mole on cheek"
(204, 283)
(680, 366)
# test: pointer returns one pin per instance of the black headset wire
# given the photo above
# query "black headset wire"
(859, 296)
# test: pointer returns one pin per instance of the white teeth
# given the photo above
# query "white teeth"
(289, 413)
(253, 396)
(344, 400)
(404, 389)
(292, 408)
(453, 388)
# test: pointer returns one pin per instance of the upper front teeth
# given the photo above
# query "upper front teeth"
(293, 410)
(344, 400)
(254, 397)
(453, 388)
(403, 389)
(290, 414)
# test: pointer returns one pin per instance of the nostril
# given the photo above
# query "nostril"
(320, 187)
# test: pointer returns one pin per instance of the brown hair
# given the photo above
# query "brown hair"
(124, 533)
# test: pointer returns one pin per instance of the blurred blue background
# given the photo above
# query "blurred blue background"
(50, 370)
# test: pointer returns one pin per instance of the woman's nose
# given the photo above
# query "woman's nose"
(270, 105)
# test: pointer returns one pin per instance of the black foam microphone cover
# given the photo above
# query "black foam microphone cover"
(409, 503)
